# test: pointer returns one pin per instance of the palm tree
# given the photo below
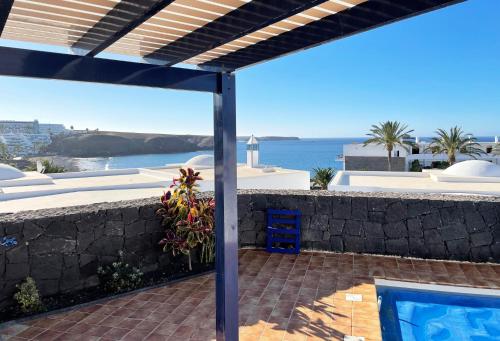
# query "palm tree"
(453, 142)
(323, 176)
(390, 134)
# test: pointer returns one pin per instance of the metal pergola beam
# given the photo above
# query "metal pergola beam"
(48, 65)
(5, 7)
(226, 215)
(123, 10)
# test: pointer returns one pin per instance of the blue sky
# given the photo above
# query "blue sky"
(433, 71)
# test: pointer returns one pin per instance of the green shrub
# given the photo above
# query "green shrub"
(27, 296)
(415, 166)
(119, 276)
(50, 167)
(440, 164)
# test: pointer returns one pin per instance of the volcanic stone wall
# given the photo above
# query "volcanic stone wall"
(426, 226)
(62, 248)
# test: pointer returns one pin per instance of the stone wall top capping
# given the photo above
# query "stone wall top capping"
(140, 203)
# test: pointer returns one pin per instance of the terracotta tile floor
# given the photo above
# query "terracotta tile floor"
(282, 297)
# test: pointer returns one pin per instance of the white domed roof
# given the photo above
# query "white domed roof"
(473, 168)
(8, 172)
(200, 161)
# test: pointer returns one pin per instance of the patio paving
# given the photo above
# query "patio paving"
(282, 297)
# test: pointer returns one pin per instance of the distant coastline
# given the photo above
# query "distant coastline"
(109, 143)
(270, 138)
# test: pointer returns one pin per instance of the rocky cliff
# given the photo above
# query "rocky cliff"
(95, 144)
(111, 143)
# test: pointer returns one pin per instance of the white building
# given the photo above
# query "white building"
(358, 157)
(30, 127)
(48, 128)
(24, 144)
(18, 127)
(27, 137)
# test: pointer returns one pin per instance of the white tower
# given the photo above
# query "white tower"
(253, 152)
(496, 139)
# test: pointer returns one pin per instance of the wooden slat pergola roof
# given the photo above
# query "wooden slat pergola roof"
(214, 34)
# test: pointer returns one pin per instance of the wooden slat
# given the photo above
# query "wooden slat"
(35, 16)
(33, 39)
(59, 10)
(48, 29)
(78, 6)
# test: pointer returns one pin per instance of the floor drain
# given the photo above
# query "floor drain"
(354, 297)
(354, 338)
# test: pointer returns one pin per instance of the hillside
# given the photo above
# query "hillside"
(108, 143)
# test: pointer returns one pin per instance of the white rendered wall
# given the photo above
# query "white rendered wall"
(299, 180)
(357, 149)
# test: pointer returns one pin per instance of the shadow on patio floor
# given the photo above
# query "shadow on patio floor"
(282, 297)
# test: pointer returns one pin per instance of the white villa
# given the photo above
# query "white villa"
(34, 190)
(374, 157)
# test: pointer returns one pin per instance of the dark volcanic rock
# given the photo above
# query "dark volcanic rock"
(115, 143)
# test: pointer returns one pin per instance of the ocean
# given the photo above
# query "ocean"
(303, 154)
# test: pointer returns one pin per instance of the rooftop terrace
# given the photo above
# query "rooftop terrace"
(281, 297)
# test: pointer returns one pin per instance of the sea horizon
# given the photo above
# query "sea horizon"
(302, 154)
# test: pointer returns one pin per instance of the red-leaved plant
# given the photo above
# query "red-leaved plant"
(188, 220)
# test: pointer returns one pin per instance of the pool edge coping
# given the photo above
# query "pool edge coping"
(443, 288)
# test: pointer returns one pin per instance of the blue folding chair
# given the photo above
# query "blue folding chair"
(283, 231)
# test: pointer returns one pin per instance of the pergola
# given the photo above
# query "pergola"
(217, 36)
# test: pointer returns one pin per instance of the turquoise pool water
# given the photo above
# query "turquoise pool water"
(411, 315)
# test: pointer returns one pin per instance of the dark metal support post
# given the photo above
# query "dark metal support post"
(5, 7)
(226, 217)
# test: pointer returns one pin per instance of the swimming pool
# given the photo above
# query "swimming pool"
(409, 314)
